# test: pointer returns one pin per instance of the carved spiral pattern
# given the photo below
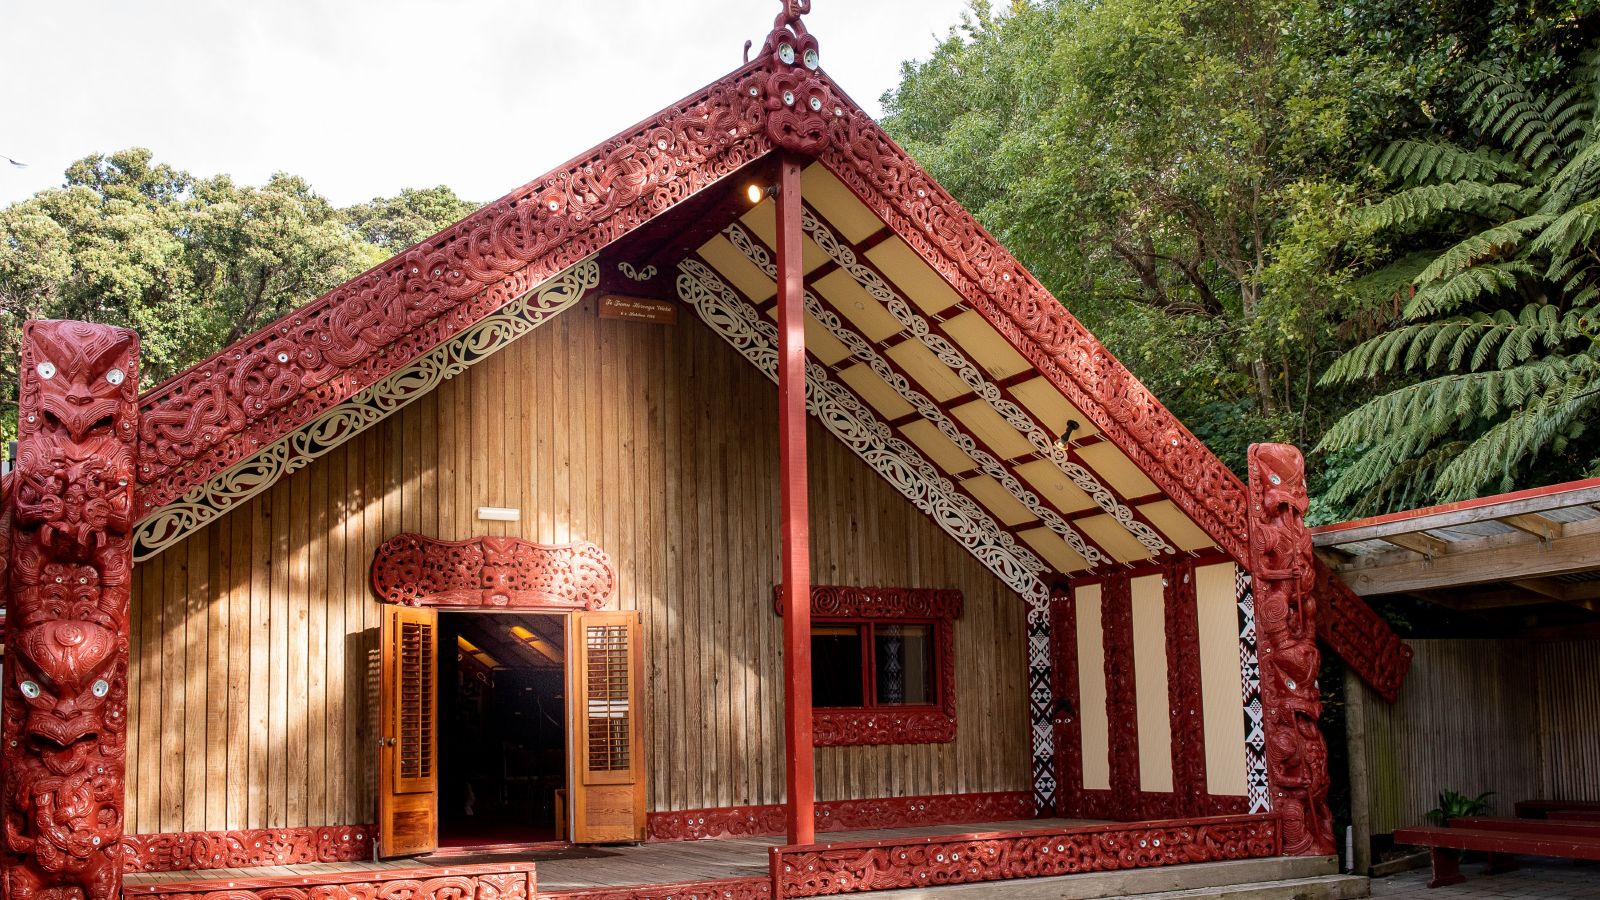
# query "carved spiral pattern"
(485, 882)
(825, 870)
(492, 572)
(189, 850)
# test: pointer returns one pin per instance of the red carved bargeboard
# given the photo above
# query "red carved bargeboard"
(842, 815)
(190, 850)
(1360, 636)
(888, 724)
(492, 572)
(846, 868)
(721, 889)
(1283, 580)
(496, 881)
(66, 676)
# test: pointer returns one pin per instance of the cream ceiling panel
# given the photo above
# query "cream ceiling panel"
(1055, 551)
(737, 268)
(819, 340)
(869, 387)
(920, 284)
(854, 303)
(828, 195)
(762, 221)
(926, 370)
(1048, 479)
(1008, 509)
(1179, 528)
(1113, 538)
(945, 454)
(985, 346)
(1116, 470)
(987, 425)
(1043, 400)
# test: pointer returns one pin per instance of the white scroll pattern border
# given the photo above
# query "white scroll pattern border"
(209, 501)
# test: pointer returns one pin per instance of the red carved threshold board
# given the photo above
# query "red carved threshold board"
(842, 815)
(183, 851)
(502, 881)
(818, 870)
(724, 889)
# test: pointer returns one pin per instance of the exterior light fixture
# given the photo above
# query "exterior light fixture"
(756, 193)
(1064, 443)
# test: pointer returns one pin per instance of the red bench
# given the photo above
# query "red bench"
(1541, 809)
(1445, 844)
(1572, 815)
(1555, 827)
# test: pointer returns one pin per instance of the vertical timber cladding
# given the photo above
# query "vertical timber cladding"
(255, 640)
(1139, 755)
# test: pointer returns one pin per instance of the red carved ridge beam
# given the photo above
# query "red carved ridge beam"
(194, 850)
(65, 690)
(492, 572)
(890, 724)
(1282, 579)
(842, 815)
(493, 881)
(846, 868)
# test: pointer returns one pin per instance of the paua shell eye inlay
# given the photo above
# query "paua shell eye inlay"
(46, 370)
(786, 53)
(115, 377)
(100, 687)
(29, 689)
(811, 60)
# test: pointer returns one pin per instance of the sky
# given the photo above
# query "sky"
(363, 98)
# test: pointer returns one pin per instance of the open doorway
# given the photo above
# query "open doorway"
(502, 728)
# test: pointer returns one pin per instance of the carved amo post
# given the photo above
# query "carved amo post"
(70, 557)
(1283, 580)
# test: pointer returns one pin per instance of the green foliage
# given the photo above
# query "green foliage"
(1455, 805)
(191, 263)
(1496, 346)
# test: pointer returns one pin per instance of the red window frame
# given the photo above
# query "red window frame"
(898, 723)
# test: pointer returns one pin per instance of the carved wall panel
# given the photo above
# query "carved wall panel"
(66, 676)
(1283, 580)
(190, 850)
(842, 815)
(1184, 701)
(492, 572)
(846, 868)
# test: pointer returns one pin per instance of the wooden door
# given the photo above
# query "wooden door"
(408, 755)
(607, 782)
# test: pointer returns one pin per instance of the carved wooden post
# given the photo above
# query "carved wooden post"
(1283, 579)
(66, 679)
(798, 105)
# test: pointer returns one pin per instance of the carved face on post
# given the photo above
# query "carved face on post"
(799, 103)
(63, 672)
(83, 374)
(1284, 489)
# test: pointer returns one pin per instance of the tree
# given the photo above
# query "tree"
(191, 264)
(395, 223)
(1497, 343)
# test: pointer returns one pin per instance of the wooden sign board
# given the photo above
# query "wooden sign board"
(638, 309)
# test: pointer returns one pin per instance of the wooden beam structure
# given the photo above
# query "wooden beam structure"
(1480, 561)
(799, 774)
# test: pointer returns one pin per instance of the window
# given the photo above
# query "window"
(882, 665)
(873, 664)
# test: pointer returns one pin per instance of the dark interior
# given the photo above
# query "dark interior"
(502, 727)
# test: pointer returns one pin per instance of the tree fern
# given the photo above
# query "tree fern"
(1494, 361)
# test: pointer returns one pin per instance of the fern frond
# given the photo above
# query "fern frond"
(1467, 286)
(1416, 206)
(1500, 105)
(1433, 161)
(1541, 421)
(1567, 232)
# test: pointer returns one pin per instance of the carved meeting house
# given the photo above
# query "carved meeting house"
(728, 480)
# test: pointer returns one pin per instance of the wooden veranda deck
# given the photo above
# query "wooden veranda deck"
(582, 869)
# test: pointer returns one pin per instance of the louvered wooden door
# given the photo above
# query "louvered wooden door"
(408, 757)
(607, 783)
